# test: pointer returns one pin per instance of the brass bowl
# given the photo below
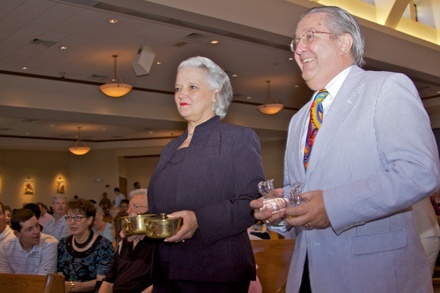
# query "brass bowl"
(135, 225)
(162, 226)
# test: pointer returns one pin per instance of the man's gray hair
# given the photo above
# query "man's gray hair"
(57, 196)
(142, 191)
(339, 21)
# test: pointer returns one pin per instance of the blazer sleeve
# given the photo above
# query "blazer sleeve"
(233, 215)
(407, 153)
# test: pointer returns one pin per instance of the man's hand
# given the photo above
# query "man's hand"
(311, 213)
(132, 238)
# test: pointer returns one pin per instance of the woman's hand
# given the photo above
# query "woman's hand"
(188, 228)
(267, 216)
(68, 286)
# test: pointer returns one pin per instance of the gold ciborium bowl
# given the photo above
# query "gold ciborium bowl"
(135, 225)
(162, 226)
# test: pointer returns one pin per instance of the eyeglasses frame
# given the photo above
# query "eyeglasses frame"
(68, 218)
(294, 43)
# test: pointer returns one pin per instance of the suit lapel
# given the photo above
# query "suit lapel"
(295, 146)
(342, 105)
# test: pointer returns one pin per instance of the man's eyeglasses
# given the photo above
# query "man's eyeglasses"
(75, 218)
(136, 207)
(307, 37)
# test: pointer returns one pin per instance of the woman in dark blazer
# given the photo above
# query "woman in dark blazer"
(207, 176)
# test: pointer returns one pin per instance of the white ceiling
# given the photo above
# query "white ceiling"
(32, 32)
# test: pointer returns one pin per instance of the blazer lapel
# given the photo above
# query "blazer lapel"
(342, 105)
(295, 145)
(164, 160)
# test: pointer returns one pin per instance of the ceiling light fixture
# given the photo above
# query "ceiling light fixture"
(114, 87)
(80, 147)
(271, 106)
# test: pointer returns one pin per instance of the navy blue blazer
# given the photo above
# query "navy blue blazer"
(221, 171)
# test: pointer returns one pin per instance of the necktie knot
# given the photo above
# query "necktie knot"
(316, 110)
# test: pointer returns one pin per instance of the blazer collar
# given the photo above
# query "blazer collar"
(199, 135)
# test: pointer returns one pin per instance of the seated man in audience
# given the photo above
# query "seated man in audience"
(132, 263)
(30, 252)
(5, 232)
(123, 206)
(57, 226)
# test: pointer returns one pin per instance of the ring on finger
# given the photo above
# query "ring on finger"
(308, 225)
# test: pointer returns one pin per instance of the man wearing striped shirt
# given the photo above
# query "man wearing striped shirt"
(30, 251)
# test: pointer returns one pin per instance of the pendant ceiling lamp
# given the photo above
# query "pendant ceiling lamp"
(114, 87)
(271, 106)
(80, 147)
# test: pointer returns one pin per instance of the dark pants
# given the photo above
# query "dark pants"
(305, 281)
(200, 287)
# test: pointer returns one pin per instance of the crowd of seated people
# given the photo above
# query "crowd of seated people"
(90, 252)
(73, 238)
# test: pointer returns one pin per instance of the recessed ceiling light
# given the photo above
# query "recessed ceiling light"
(234, 75)
(112, 20)
(158, 63)
(24, 68)
(291, 58)
(248, 98)
(214, 42)
(63, 47)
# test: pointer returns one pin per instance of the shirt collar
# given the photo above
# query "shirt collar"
(334, 86)
(336, 83)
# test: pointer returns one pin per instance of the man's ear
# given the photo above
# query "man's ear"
(345, 43)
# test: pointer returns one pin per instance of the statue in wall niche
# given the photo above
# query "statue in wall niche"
(60, 186)
(29, 186)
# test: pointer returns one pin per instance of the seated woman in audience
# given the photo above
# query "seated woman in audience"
(84, 256)
(8, 214)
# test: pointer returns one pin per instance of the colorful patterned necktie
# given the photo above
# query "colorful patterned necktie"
(316, 113)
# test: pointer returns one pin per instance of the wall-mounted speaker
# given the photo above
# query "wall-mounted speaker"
(143, 61)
